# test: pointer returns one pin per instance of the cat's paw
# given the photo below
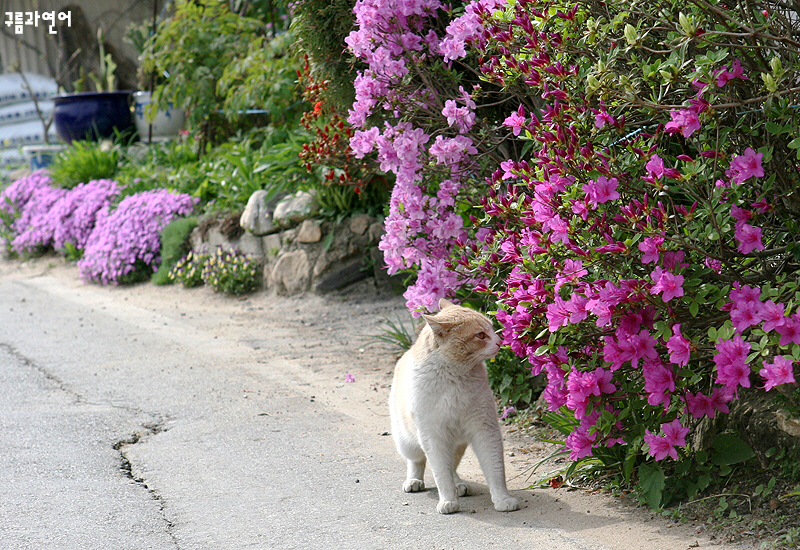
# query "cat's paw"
(461, 489)
(508, 504)
(413, 485)
(447, 507)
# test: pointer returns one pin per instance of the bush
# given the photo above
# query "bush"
(84, 161)
(174, 246)
(638, 232)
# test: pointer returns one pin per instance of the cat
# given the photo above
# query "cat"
(440, 402)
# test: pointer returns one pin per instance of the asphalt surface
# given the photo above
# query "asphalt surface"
(124, 428)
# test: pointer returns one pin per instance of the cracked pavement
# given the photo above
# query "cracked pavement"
(166, 418)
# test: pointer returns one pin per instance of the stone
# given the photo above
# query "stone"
(375, 232)
(360, 223)
(309, 232)
(787, 423)
(290, 273)
(271, 244)
(248, 244)
(293, 209)
(256, 218)
(387, 284)
(342, 277)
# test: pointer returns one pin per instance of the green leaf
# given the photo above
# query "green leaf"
(731, 450)
(651, 481)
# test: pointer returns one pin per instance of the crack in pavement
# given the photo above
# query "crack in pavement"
(126, 467)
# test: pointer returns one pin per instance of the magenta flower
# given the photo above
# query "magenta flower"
(736, 71)
(516, 121)
(602, 190)
(789, 330)
(650, 248)
(349, 378)
(662, 446)
(773, 315)
(703, 405)
(748, 237)
(746, 166)
(667, 284)
(580, 443)
(685, 121)
(731, 361)
(602, 118)
(508, 411)
(679, 347)
(780, 371)
(746, 314)
(656, 169)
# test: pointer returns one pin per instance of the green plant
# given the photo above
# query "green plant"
(512, 380)
(84, 161)
(399, 333)
(194, 47)
(189, 269)
(231, 272)
(174, 246)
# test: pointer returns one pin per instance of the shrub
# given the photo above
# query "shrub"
(231, 272)
(15, 216)
(639, 235)
(174, 246)
(124, 245)
(84, 161)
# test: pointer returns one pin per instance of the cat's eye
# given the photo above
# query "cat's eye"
(481, 336)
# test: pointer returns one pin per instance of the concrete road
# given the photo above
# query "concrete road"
(127, 428)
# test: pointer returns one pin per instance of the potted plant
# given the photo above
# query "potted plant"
(101, 114)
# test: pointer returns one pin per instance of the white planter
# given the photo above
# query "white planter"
(166, 125)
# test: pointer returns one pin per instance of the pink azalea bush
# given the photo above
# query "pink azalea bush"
(637, 236)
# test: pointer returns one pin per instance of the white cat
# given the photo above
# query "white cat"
(441, 402)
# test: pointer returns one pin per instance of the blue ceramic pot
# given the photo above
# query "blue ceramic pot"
(92, 115)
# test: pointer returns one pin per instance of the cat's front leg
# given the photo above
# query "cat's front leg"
(440, 457)
(488, 446)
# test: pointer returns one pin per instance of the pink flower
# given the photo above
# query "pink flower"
(773, 315)
(656, 169)
(602, 190)
(724, 75)
(602, 118)
(516, 121)
(580, 443)
(349, 378)
(745, 314)
(789, 330)
(703, 405)
(731, 361)
(780, 371)
(650, 248)
(748, 237)
(744, 167)
(675, 433)
(685, 121)
(679, 347)
(666, 283)
(659, 382)
(508, 411)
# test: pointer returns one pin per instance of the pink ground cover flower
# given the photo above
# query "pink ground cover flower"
(780, 371)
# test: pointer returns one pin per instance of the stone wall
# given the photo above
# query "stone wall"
(316, 255)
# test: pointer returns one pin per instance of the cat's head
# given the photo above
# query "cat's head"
(462, 334)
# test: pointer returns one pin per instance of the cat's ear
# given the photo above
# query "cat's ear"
(444, 304)
(439, 328)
